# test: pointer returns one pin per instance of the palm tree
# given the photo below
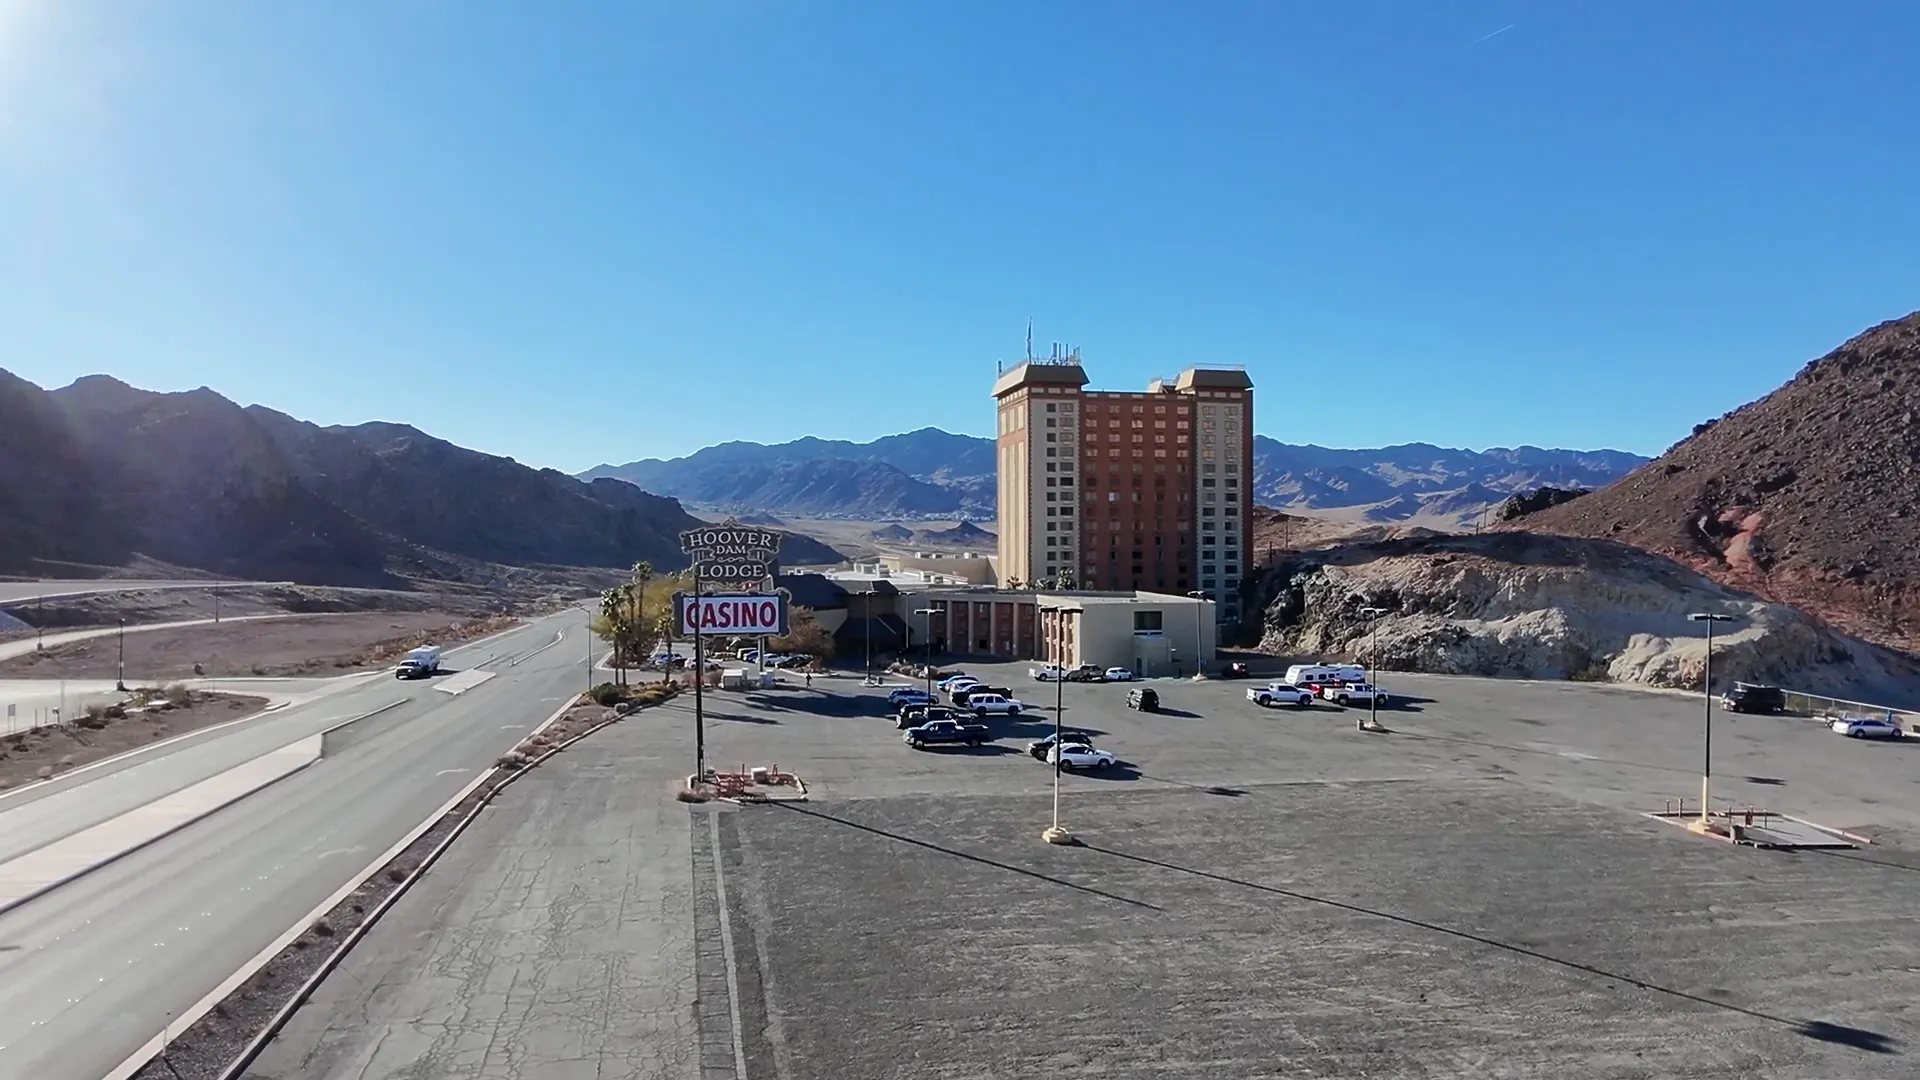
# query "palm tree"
(614, 612)
(641, 573)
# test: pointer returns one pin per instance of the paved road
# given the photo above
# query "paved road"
(1471, 896)
(92, 971)
(16, 592)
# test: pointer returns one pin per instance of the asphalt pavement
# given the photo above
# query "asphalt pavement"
(1475, 893)
(92, 971)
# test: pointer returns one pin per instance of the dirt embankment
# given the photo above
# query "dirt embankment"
(1548, 607)
(99, 733)
(293, 646)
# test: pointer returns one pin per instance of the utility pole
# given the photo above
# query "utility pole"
(120, 681)
(1706, 695)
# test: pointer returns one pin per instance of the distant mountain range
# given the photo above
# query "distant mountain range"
(100, 473)
(933, 474)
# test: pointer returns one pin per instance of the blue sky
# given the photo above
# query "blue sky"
(575, 232)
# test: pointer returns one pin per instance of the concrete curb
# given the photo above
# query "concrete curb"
(177, 827)
(238, 1067)
(156, 1045)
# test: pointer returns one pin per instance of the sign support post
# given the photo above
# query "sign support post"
(743, 557)
(699, 687)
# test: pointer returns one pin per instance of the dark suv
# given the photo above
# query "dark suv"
(1750, 698)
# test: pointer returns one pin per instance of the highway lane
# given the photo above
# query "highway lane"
(92, 971)
(168, 766)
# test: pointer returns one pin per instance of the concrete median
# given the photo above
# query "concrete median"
(41, 871)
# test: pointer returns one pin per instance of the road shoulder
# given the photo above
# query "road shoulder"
(570, 900)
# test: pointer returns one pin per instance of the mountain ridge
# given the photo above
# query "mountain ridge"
(101, 472)
(930, 474)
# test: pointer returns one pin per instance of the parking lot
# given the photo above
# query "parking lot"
(1256, 893)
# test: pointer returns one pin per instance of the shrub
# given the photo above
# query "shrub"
(93, 718)
(605, 694)
(690, 796)
(43, 771)
(116, 712)
(178, 695)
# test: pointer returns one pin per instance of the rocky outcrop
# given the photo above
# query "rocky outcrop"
(1525, 606)
(1532, 502)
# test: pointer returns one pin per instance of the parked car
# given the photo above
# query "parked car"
(1086, 673)
(1081, 756)
(1143, 698)
(1753, 698)
(1040, 748)
(1117, 674)
(958, 685)
(1279, 693)
(1046, 673)
(946, 731)
(992, 705)
(965, 693)
(915, 715)
(905, 694)
(1868, 727)
(947, 682)
(1357, 693)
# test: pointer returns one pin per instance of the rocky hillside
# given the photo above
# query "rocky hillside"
(934, 474)
(1809, 496)
(1548, 607)
(102, 473)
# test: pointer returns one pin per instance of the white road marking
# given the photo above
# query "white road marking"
(726, 947)
(341, 851)
(450, 772)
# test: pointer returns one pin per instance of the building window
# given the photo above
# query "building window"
(1051, 496)
(1147, 620)
(1232, 569)
(1207, 583)
(1050, 406)
(1066, 511)
(1051, 466)
(1051, 452)
(1206, 511)
(1051, 437)
(1049, 526)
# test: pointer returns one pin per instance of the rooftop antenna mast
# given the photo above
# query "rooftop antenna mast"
(1029, 340)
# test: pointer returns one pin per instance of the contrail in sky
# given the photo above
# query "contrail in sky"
(1495, 34)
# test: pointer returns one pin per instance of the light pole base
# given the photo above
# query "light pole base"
(1706, 827)
(1056, 834)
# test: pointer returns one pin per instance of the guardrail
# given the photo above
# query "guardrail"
(1800, 701)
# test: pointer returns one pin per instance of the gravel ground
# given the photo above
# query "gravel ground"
(210, 1046)
(59, 748)
(299, 645)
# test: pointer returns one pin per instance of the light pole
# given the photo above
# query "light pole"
(1057, 833)
(866, 631)
(1706, 695)
(1372, 615)
(1199, 648)
(120, 680)
(928, 670)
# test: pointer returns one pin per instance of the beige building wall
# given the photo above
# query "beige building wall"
(1152, 633)
(1036, 447)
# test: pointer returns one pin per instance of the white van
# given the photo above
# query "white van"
(1302, 674)
(421, 663)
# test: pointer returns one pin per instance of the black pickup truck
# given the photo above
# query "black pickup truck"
(947, 731)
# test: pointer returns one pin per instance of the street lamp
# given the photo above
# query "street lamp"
(1199, 648)
(1706, 693)
(866, 630)
(120, 681)
(1056, 833)
(929, 613)
(1372, 615)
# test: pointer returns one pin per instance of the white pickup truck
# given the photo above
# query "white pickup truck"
(1279, 693)
(1358, 693)
(1047, 673)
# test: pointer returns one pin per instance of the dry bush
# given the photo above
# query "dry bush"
(43, 772)
(65, 762)
(93, 718)
(179, 696)
(688, 795)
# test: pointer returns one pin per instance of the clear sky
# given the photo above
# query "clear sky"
(575, 232)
